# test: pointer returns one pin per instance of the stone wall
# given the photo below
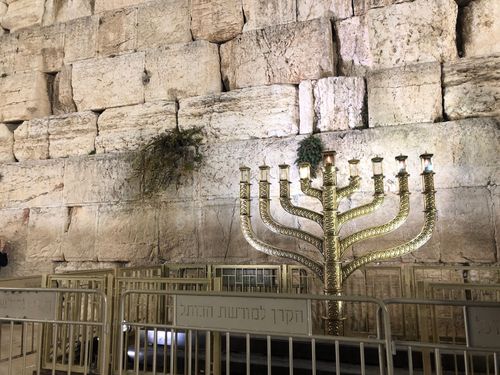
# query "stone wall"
(84, 83)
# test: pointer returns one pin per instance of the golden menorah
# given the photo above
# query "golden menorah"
(333, 270)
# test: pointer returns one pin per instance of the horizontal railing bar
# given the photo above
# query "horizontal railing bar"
(450, 347)
(439, 302)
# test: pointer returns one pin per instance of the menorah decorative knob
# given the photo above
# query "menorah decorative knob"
(333, 271)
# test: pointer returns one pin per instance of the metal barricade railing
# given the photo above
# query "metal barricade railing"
(244, 333)
(33, 320)
(474, 347)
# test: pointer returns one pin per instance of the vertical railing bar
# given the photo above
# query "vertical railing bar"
(196, 352)
(290, 355)
(466, 362)
(362, 357)
(313, 356)
(54, 348)
(155, 348)
(86, 350)
(70, 355)
(24, 344)
(11, 345)
(190, 351)
(437, 354)
(137, 348)
(337, 357)
(269, 359)
(247, 354)
(410, 360)
(495, 362)
(228, 353)
(172, 351)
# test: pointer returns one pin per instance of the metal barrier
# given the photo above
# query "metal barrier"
(234, 333)
(474, 347)
(54, 329)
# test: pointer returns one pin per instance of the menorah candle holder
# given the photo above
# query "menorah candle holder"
(333, 270)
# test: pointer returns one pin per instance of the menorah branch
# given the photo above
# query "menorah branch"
(307, 189)
(273, 225)
(368, 208)
(346, 191)
(289, 207)
(396, 222)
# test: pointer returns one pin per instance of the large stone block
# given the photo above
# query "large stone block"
(31, 183)
(178, 224)
(292, 53)
(81, 39)
(45, 231)
(101, 178)
(117, 32)
(183, 70)
(62, 92)
(163, 22)
(481, 28)
(362, 6)
(57, 11)
(23, 13)
(41, 49)
(256, 112)
(466, 227)
(216, 20)
(108, 82)
(472, 88)
(263, 13)
(306, 107)
(334, 9)
(406, 95)
(104, 5)
(128, 128)
(14, 224)
(460, 161)
(23, 96)
(80, 232)
(399, 34)
(72, 134)
(338, 103)
(8, 51)
(6, 144)
(127, 232)
(32, 140)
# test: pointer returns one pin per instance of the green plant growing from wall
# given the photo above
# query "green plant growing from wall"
(310, 151)
(169, 157)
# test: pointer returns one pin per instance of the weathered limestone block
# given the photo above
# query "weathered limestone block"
(108, 82)
(3, 9)
(14, 224)
(127, 232)
(101, 178)
(45, 231)
(117, 32)
(41, 49)
(339, 103)
(182, 70)
(8, 51)
(178, 231)
(362, 6)
(32, 140)
(481, 28)
(458, 158)
(72, 134)
(31, 183)
(6, 144)
(466, 228)
(216, 20)
(256, 112)
(292, 53)
(263, 13)
(306, 107)
(62, 92)
(57, 11)
(23, 96)
(334, 9)
(472, 88)
(163, 22)
(80, 232)
(399, 34)
(104, 5)
(128, 128)
(23, 13)
(405, 95)
(81, 39)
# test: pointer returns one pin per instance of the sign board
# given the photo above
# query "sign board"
(483, 326)
(28, 305)
(247, 314)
